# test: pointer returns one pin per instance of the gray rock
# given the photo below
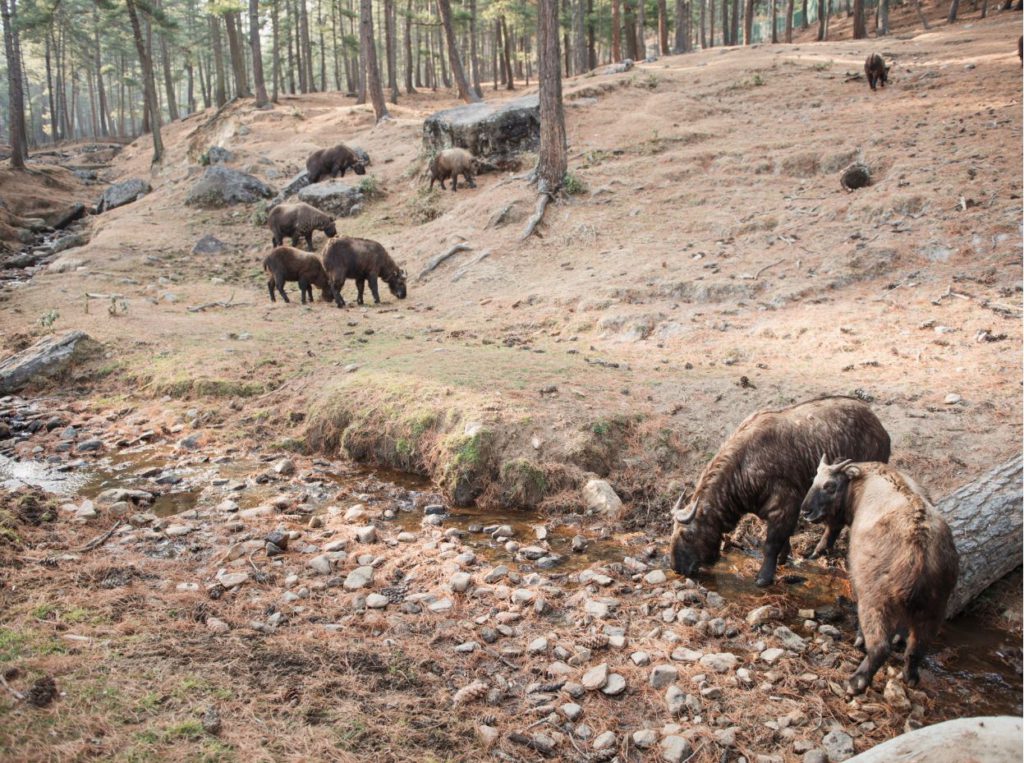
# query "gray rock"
(663, 675)
(123, 193)
(814, 756)
(655, 577)
(571, 711)
(675, 700)
(682, 654)
(232, 579)
(216, 625)
(601, 498)
(720, 663)
(496, 574)
(360, 577)
(460, 582)
(292, 187)
(675, 749)
(640, 658)
(221, 187)
(838, 746)
(209, 244)
(615, 686)
(605, 741)
(538, 646)
(366, 534)
(579, 544)
(89, 445)
(332, 196)
(618, 68)
(441, 605)
(789, 639)
(772, 655)
(495, 132)
(218, 155)
(645, 738)
(762, 615)
(376, 601)
(596, 677)
(47, 357)
(321, 564)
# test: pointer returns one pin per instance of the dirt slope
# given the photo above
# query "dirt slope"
(712, 266)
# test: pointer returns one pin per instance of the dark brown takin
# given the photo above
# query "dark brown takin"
(286, 263)
(876, 70)
(299, 221)
(365, 261)
(765, 468)
(333, 161)
(903, 564)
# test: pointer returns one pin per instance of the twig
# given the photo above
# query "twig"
(766, 267)
(531, 225)
(99, 540)
(230, 303)
(432, 265)
(14, 692)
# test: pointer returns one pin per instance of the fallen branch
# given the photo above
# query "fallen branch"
(14, 692)
(759, 272)
(99, 540)
(531, 225)
(465, 268)
(230, 303)
(432, 265)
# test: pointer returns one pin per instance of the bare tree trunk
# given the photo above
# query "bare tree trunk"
(15, 94)
(257, 54)
(789, 21)
(307, 47)
(237, 56)
(579, 24)
(444, 8)
(172, 101)
(707, 8)
(805, 22)
(748, 23)
(591, 35)
(775, 20)
(663, 26)
(373, 86)
(148, 84)
(616, 32)
(275, 74)
(641, 26)
(822, 20)
(629, 19)
(985, 518)
(219, 91)
(105, 127)
(474, 58)
(734, 23)
(510, 83)
(551, 157)
(725, 22)
(954, 7)
(389, 48)
(860, 30)
(408, 49)
(920, 14)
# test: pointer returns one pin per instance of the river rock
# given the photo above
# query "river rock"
(333, 197)
(47, 357)
(675, 700)
(683, 654)
(538, 646)
(645, 738)
(322, 565)
(720, 663)
(441, 605)
(222, 186)
(663, 675)
(601, 498)
(655, 577)
(772, 655)
(366, 534)
(232, 579)
(789, 639)
(838, 746)
(493, 131)
(596, 677)
(615, 686)
(762, 615)
(460, 582)
(675, 749)
(358, 578)
(571, 711)
(605, 741)
(122, 193)
(376, 601)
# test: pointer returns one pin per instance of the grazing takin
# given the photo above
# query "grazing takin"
(286, 263)
(877, 71)
(451, 163)
(765, 468)
(298, 221)
(902, 563)
(329, 162)
(363, 260)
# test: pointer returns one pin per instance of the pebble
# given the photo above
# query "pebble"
(538, 646)
(496, 574)
(771, 656)
(367, 534)
(465, 647)
(720, 663)
(578, 544)
(726, 737)
(441, 605)
(488, 735)
(675, 749)
(663, 675)
(596, 677)
(355, 513)
(645, 738)
(675, 700)
(762, 615)
(376, 601)
(605, 741)
(86, 511)
(814, 756)
(952, 399)
(407, 537)
(682, 654)
(232, 579)
(360, 577)
(655, 577)
(615, 686)
(460, 582)
(285, 467)
(838, 746)
(714, 600)
(640, 659)
(320, 564)
(175, 531)
(571, 711)
(790, 640)
(89, 445)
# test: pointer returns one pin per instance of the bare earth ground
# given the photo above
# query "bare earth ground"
(713, 266)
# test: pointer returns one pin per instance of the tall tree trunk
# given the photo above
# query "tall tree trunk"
(510, 83)
(822, 20)
(725, 22)
(954, 7)
(629, 18)
(257, 54)
(883, 17)
(307, 47)
(789, 20)
(148, 83)
(748, 23)
(237, 56)
(275, 71)
(499, 70)
(172, 101)
(860, 30)
(408, 49)
(734, 23)
(373, 86)
(775, 20)
(591, 37)
(579, 20)
(679, 45)
(663, 27)
(105, 127)
(389, 47)
(616, 32)
(551, 157)
(15, 95)
(707, 8)
(985, 518)
(54, 130)
(641, 27)
(474, 58)
(323, 48)
(805, 22)
(219, 90)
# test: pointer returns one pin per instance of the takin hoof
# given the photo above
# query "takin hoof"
(764, 582)
(856, 685)
(911, 679)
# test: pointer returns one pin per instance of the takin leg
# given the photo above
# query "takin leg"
(780, 514)
(278, 240)
(270, 288)
(878, 643)
(373, 290)
(303, 286)
(280, 287)
(360, 282)
(336, 288)
(455, 182)
(469, 180)
(828, 541)
(309, 241)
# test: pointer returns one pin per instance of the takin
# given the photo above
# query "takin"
(298, 221)
(877, 71)
(364, 260)
(765, 468)
(286, 263)
(451, 163)
(902, 561)
(329, 162)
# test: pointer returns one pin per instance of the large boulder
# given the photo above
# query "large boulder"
(123, 193)
(333, 197)
(222, 186)
(292, 187)
(993, 739)
(47, 357)
(494, 132)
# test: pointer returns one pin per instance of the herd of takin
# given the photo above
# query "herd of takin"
(825, 460)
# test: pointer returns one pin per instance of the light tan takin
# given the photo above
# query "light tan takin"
(902, 562)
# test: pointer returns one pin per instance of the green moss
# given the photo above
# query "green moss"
(524, 484)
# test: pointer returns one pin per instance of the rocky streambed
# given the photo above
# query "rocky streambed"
(558, 637)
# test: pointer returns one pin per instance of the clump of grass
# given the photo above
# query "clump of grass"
(371, 188)
(424, 206)
(48, 318)
(573, 185)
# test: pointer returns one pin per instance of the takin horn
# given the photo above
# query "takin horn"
(683, 518)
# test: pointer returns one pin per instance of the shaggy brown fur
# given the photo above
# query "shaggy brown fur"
(877, 71)
(364, 260)
(765, 468)
(451, 163)
(288, 264)
(297, 221)
(328, 162)
(902, 563)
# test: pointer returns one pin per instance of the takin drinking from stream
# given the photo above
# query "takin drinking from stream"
(765, 468)
(297, 221)
(902, 562)
(365, 261)
(286, 263)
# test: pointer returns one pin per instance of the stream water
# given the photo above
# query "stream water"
(978, 665)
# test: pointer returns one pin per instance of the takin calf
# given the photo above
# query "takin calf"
(329, 162)
(902, 563)
(877, 71)
(363, 260)
(451, 163)
(765, 468)
(288, 264)
(297, 221)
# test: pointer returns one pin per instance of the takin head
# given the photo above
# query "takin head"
(827, 495)
(696, 539)
(396, 284)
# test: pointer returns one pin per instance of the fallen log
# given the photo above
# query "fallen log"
(986, 520)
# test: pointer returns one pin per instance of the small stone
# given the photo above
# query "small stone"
(952, 399)
(86, 511)
(321, 564)
(838, 746)
(726, 737)
(615, 686)
(645, 738)
(496, 574)
(675, 749)
(215, 625)
(488, 735)
(682, 654)
(762, 615)
(578, 544)
(523, 596)
(663, 675)
(604, 741)
(466, 647)
(355, 513)
(176, 531)
(596, 677)
(655, 577)
(814, 756)
(376, 601)
(232, 579)
(714, 600)
(640, 659)
(441, 605)
(896, 696)
(406, 537)
(367, 534)
(90, 445)
(771, 656)
(571, 711)
(601, 498)
(460, 582)
(538, 646)
(675, 700)
(360, 577)
(720, 663)
(285, 467)
(790, 640)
